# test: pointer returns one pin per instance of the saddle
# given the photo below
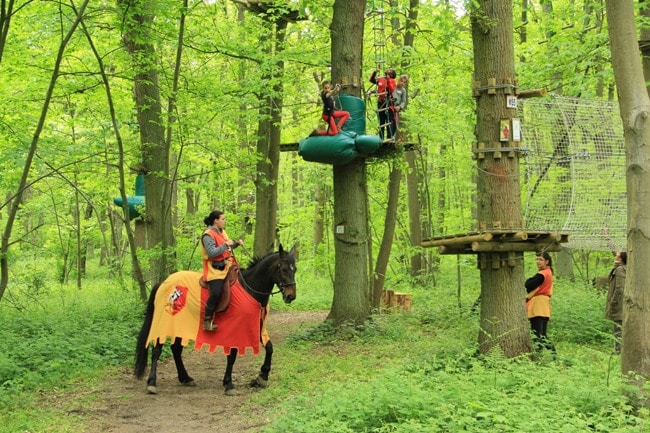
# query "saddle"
(224, 299)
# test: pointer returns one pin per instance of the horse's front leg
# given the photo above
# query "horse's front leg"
(227, 377)
(177, 351)
(262, 380)
(151, 380)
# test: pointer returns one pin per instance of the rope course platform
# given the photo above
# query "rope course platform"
(498, 241)
(572, 181)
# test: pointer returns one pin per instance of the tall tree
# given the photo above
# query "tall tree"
(139, 36)
(277, 17)
(503, 318)
(413, 175)
(634, 105)
(351, 234)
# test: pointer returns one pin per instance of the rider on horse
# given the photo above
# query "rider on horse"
(216, 250)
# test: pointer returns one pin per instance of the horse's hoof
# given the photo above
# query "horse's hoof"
(151, 389)
(258, 382)
(231, 392)
(189, 383)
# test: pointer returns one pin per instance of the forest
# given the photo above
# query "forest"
(125, 123)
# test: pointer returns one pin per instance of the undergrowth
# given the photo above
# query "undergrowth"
(51, 340)
(415, 371)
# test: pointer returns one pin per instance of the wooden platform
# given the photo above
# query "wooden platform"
(497, 241)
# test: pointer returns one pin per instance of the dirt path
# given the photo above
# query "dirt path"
(123, 405)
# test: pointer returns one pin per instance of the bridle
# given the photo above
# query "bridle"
(281, 285)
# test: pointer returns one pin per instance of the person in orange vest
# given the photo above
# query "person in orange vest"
(385, 108)
(216, 251)
(539, 289)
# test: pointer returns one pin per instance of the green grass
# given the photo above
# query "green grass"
(407, 372)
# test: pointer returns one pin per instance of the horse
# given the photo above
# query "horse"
(175, 310)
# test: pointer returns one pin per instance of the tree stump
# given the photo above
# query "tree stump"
(395, 301)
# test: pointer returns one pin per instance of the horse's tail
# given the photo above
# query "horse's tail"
(142, 346)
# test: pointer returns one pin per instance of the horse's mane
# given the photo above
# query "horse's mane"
(256, 259)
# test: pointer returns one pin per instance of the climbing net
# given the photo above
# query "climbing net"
(574, 171)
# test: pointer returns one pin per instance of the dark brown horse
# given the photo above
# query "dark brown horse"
(175, 309)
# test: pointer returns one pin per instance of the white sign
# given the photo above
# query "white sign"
(511, 102)
(516, 129)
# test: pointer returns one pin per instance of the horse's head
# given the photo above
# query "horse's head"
(285, 275)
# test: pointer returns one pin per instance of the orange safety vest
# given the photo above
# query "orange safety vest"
(209, 272)
(538, 302)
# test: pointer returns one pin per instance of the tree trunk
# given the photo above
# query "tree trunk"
(503, 317)
(351, 237)
(635, 110)
(394, 180)
(413, 177)
(415, 213)
(564, 264)
(268, 149)
(319, 215)
(140, 42)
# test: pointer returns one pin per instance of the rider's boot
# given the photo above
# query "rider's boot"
(208, 324)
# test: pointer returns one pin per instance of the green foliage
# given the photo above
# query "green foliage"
(65, 334)
(419, 371)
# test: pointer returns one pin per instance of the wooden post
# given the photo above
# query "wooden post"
(394, 301)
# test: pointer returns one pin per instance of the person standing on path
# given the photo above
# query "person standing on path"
(539, 289)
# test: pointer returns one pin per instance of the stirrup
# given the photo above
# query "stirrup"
(209, 325)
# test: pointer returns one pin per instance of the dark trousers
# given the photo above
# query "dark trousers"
(386, 121)
(540, 341)
(216, 287)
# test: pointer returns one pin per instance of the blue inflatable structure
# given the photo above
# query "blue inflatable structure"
(136, 202)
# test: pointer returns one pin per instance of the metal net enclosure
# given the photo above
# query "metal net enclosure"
(573, 170)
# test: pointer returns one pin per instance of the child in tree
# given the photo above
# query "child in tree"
(385, 108)
(330, 113)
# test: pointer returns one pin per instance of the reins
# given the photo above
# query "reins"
(250, 289)
(281, 285)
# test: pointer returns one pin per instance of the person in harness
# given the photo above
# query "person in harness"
(400, 100)
(330, 113)
(385, 88)
(216, 251)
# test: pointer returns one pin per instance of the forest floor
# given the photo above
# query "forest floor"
(121, 403)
